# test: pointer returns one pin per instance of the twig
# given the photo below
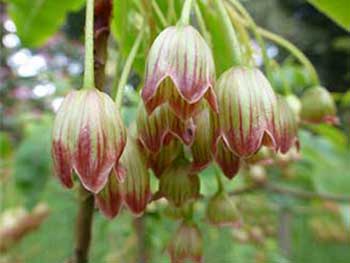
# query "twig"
(293, 192)
(303, 194)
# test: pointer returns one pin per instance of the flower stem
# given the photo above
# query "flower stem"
(159, 13)
(83, 226)
(288, 46)
(230, 31)
(127, 67)
(89, 81)
(185, 13)
(201, 23)
(257, 35)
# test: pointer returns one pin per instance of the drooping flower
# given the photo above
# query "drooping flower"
(187, 244)
(161, 160)
(248, 109)
(222, 211)
(318, 106)
(177, 184)
(110, 199)
(136, 186)
(161, 126)
(89, 137)
(180, 71)
(201, 147)
(288, 127)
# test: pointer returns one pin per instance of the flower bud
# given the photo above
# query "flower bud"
(179, 212)
(109, 200)
(318, 106)
(201, 146)
(89, 137)
(222, 211)
(248, 108)
(180, 70)
(136, 186)
(287, 128)
(178, 185)
(161, 126)
(187, 244)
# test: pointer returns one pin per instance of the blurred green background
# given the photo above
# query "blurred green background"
(279, 226)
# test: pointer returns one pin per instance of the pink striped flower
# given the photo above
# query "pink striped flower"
(180, 70)
(109, 200)
(161, 160)
(161, 127)
(187, 244)
(89, 137)
(201, 146)
(177, 184)
(248, 111)
(136, 186)
(288, 127)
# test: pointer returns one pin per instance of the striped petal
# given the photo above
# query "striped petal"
(160, 161)
(226, 159)
(248, 108)
(180, 70)
(109, 200)
(136, 187)
(201, 147)
(288, 127)
(157, 129)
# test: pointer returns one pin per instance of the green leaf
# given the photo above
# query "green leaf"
(37, 20)
(337, 10)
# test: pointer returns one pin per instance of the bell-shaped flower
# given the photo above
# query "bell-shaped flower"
(110, 199)
(201, 147)
(177, 184)
(318, 106)
(161, 160)
(89, 137)
(180, 71)
(222, 211)
(136, 186)
(161, 126)
(288, 127)
(187, 244)
(248, 111)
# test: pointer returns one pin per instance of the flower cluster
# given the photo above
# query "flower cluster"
(89, 138)
(187, 119)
